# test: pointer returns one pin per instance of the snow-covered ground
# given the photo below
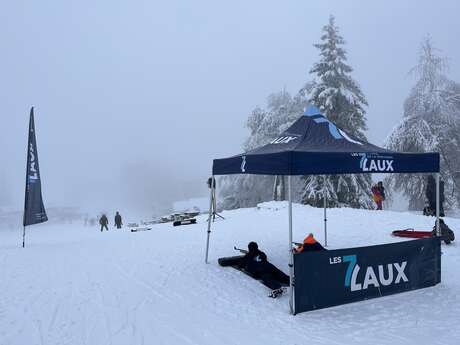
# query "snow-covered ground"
(75, 285)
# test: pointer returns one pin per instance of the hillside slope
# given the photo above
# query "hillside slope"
(75, 285)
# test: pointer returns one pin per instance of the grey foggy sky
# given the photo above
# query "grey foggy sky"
(133, 97)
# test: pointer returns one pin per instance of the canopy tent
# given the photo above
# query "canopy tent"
(313, 145)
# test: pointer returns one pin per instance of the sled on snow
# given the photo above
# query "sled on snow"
(411, 233)
(446, 236)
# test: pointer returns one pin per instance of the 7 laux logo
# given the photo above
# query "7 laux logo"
(284, 139)
(382, 275)
(243, 164)
(33, 173)
(378, 164)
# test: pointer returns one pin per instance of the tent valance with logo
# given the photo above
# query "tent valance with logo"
(313, 145)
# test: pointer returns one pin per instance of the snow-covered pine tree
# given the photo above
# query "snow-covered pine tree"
(5, 195)
(264, 125)
(237, 191)
(431, 122)
(341, 100)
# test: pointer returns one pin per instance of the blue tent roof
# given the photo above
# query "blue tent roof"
(314, 145)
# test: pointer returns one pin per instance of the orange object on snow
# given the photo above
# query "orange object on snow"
(309, 240)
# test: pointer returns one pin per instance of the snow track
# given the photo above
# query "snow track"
(75, 285)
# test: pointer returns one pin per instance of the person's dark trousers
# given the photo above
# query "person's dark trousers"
(280, 276)
(104, 226)
(273, 277)
(379, 205)
(118, 226)
(270, 281)
(433, 208)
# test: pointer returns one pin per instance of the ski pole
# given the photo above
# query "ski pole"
(244, 251)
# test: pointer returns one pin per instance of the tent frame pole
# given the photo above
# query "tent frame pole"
(24, 236)
(325, 210)
(291, 253)
(438, 232)
(211, 204)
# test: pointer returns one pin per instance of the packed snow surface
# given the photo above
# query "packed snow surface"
(75, 285)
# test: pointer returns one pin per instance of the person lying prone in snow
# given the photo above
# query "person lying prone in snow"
(255, 262)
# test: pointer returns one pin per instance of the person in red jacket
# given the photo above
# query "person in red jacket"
(377, 196)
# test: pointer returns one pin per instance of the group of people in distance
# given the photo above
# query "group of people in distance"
(256, 263)
(104, 221)
(378, 195)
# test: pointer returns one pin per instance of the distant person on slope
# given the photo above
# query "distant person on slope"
(310, 244)
(118, 220)
(430, 194)
(382, 191)
(377, 196)
(104, 222)
(255, 262)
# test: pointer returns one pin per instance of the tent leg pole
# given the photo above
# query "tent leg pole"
(325, 211)
(214, 205)
(438, 232)
(211, 202)
(23, 237)
(291, 254)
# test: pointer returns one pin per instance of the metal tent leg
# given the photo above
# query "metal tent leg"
(291, 254)
(325, 212)
(438, 231)
(210, 217)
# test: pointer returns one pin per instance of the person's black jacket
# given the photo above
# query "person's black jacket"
(254, 261)
(382, 191)
(103, 220)
(118, 219)
(441, 191)
(430, 192)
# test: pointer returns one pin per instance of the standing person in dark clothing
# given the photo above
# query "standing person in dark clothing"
(441, 198)
(430, 194)
(381, 190)
(118, 220)
(255, 262)
(104, 222)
